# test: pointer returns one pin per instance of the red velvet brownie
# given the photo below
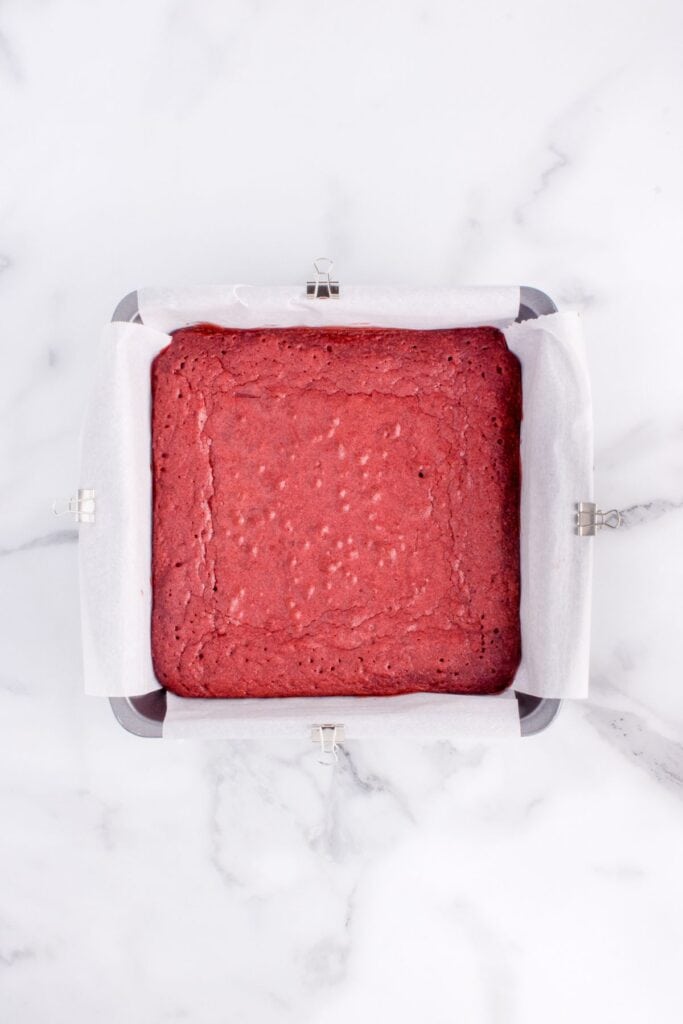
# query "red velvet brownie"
(336, 511)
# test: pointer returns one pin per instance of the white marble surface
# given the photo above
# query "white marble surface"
(176, 142)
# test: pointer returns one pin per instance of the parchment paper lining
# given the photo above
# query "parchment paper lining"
(556, 452)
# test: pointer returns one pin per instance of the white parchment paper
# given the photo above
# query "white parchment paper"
(556, 453)
(244, 305)
(435, 716)
(557, 471)
(115, 551)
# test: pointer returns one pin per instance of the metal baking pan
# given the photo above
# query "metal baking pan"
(144, 715)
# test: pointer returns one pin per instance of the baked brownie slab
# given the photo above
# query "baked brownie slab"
(336, 512)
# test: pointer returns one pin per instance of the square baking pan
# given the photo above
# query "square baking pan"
(144, 715)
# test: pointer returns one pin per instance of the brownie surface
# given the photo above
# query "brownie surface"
(335, 512)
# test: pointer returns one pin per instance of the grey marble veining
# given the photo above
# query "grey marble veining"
(175, 142)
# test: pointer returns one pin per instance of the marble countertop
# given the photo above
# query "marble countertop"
(422, 142)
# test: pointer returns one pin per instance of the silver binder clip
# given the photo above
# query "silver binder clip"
(323, 287)
(329, 737)
(590, 519)
(82, 507)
